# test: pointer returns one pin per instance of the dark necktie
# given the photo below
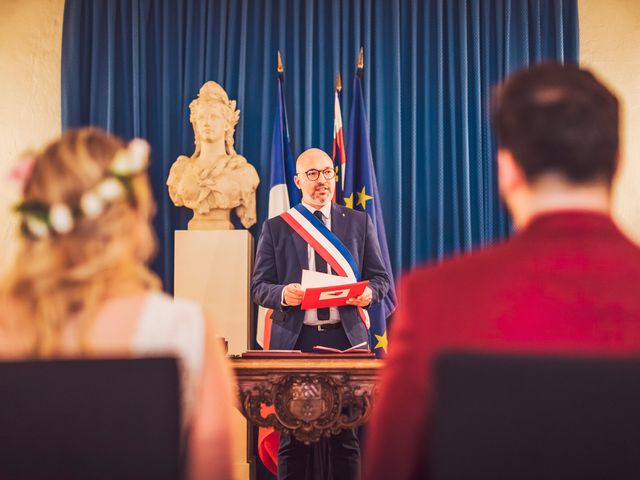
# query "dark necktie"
(321, 266)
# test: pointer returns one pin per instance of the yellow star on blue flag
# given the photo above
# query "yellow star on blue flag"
(348, 201)
(383, 343)
(363, 198)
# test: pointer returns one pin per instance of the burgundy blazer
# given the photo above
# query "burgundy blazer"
(568, 283)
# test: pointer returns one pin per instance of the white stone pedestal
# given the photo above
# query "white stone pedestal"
(213, 268)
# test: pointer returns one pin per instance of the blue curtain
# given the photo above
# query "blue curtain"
(133, 66)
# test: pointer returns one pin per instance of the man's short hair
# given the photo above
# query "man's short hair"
(561, 119)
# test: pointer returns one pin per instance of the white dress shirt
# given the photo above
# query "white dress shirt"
(311, 316)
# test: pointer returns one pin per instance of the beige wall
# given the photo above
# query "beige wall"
(30, 41)
(610, 45)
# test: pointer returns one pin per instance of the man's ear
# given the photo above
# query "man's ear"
(510, 174)
(296, 180)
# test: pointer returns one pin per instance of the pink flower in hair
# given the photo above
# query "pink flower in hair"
(22, 171)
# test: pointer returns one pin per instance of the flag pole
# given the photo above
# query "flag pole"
(338, 82)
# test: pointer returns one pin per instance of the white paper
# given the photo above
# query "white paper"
(312, 279)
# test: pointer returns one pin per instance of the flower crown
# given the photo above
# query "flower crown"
(40, 220)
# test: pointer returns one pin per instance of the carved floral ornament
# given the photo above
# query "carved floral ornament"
(308, 406)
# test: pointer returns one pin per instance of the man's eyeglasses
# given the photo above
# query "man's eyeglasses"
(313, 174)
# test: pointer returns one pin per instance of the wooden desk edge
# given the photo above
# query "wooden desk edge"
(311, 365)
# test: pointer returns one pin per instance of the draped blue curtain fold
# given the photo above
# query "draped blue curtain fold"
(133, 66)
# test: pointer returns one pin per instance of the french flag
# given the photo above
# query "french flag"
(282, 193)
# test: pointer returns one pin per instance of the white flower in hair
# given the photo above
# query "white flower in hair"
(91, 204)
(139, 153)
(40, 219)
(60, 218)
(120, 165)
(36, 226)
(110, 188)
(132, 160)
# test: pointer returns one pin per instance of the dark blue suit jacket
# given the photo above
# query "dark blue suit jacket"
(282, 255)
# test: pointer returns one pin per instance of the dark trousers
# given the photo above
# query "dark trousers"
(336, 457)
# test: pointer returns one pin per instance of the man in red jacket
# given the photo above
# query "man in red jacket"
(567, 282)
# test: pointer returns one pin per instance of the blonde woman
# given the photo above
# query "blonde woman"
(80, 285)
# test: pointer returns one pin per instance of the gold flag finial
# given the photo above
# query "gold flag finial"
(361, 59)
(338, 82)
(280, 65)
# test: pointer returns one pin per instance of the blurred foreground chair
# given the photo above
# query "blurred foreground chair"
(545, 418)
(90, 419)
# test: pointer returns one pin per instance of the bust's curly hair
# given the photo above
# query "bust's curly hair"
(62, 276)
(211, 92)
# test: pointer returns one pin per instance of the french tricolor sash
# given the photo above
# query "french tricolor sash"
(326, 244)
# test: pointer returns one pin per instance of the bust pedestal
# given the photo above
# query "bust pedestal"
(217, 219)
(212, 267)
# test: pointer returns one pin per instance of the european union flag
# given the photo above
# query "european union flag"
(361, 192)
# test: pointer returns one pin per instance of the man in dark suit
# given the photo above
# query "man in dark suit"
(567, 282)
(281, 256)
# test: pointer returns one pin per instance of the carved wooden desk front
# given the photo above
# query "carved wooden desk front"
(312, 395)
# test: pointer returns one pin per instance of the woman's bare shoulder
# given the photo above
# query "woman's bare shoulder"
(15, 338)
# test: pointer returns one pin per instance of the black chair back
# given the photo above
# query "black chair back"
(90, 419)
(523, 417)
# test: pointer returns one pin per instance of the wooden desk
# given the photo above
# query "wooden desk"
(312, 395)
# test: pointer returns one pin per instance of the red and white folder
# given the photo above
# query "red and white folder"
(331, 296)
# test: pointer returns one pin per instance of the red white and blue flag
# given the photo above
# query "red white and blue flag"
(282, 191)
(339, 155)
(282, 194)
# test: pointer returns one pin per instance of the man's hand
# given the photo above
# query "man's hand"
(363, 300)
(293, 294)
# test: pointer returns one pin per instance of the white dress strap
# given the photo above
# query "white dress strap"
(173, 327)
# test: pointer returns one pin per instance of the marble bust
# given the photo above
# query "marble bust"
(215, 179)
